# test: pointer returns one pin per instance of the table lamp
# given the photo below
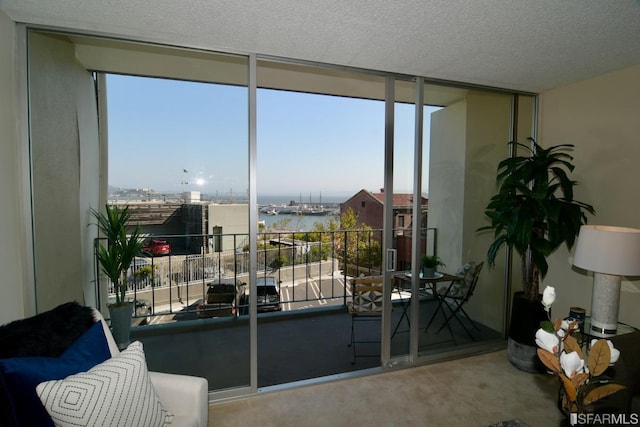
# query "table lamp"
(609, 252)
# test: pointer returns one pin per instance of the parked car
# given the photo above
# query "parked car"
(140, 273)
(139, 262)
(221, 300)
(268, 294)
(142, 308)
(157, 247)
(141, 313)
(136, 264)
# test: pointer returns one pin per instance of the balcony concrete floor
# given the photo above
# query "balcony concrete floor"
(292, 346)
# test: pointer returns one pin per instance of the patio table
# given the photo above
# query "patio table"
(427, 286)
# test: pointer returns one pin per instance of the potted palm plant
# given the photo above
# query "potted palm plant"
(115, 258)
(429, 265)
(534, 212)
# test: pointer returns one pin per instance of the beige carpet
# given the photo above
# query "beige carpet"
(474, 391)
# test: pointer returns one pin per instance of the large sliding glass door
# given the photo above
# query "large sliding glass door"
(459, 136)
(401, 213)
(468, 137)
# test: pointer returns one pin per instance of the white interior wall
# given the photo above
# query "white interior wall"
(119, 56)
(156, 61)
(13, 301)
(488, 117)
(468, 140)
(64, 146)
(446, 181)
(599, 116)
(89, 179)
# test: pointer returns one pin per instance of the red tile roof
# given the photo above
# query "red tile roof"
(399, 199)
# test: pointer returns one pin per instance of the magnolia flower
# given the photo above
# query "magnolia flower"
(571, 363)
(566, 325)
(565, 328)
(581, 387)
(548, 297)
(547, 340)
(615, 353)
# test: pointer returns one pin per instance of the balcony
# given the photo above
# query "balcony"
(307, 339)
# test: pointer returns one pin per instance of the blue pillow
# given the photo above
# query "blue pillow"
(21, 375)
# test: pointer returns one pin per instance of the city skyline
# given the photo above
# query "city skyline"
(121, 193)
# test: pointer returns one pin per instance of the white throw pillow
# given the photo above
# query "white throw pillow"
(117, 392)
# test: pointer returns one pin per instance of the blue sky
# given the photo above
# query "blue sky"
(308, 145)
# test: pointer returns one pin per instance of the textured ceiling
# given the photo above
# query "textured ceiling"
(531, 45)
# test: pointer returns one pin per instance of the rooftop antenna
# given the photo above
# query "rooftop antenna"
(183, 182)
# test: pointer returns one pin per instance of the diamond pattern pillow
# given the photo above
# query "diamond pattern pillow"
(460, 287)
(117, 392)
(367, 301)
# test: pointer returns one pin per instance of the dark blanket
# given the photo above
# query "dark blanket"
(47, 334)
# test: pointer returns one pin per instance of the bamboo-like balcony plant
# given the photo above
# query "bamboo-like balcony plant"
(115, 257)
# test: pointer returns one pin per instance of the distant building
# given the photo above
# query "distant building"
(369, 209)
(191, 196)
(228, 224)
(181, 224)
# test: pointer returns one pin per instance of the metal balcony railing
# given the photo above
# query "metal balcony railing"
(310, 268)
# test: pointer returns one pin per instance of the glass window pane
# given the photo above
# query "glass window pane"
(320, 143)
(178, 157)
(468, 136)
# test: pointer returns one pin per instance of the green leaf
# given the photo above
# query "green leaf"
(121, 247)
(547, 326)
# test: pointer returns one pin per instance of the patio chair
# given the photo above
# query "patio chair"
(365, 305)
(455, 295)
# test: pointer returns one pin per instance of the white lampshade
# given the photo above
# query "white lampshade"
(609, 250)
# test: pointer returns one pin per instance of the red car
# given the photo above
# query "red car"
(157, 247)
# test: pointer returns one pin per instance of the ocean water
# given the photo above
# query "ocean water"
(313, 199)
(300, 222)
(295, 222)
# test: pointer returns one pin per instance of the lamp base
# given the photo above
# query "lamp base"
(599, 331)
(605, 303)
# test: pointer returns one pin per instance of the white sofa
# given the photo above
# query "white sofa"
(186, 397)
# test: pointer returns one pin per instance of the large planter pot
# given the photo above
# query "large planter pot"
(121, 323)
(526, 316)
